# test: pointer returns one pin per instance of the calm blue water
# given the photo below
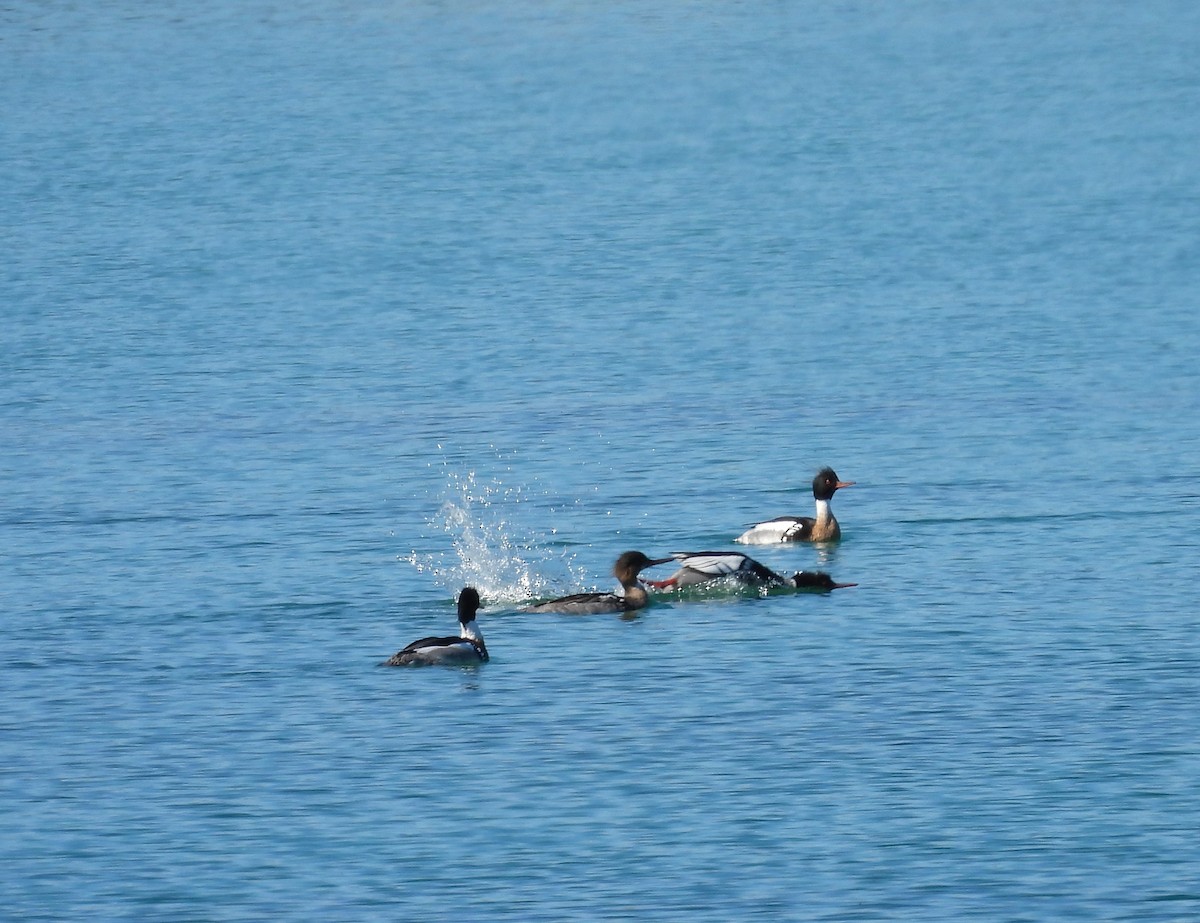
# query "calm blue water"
(314, 312)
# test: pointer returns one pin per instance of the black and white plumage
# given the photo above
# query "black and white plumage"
(698, 567)
(468, 647)
(821, 528)
(626, 570)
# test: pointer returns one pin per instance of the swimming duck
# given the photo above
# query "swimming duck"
(626, 570)
(824, 528)
(702, 566)
(468, 647)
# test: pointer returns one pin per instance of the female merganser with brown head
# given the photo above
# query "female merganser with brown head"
(703, 566)
(468, 647)
(626, 570)
(824, 528)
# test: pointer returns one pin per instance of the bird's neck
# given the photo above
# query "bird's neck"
(826, 526)
(469, 631)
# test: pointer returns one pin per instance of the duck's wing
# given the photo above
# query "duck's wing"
(581, 604)
(433, 649)
(711, 564)
(780, 529)
(702, 566)
(424, 643)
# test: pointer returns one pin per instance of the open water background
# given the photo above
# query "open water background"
(314, 312)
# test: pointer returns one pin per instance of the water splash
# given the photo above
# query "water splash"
(491, 549)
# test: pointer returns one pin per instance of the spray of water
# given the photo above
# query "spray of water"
(490, 548)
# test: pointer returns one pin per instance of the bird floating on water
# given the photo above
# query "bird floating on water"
(634, 596)
(823, 528)
(468, 647)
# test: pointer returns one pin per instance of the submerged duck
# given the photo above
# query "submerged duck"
(824, 528)
(468, 647)
(702, 566)
(626, 570)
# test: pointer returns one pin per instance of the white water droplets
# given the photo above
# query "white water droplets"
(493, 548)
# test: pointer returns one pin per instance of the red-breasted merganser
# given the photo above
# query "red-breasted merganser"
(468, 647)
(703, 566)
(626, 570)
(824, 528)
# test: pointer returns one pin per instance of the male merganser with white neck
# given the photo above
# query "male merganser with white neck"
(703, 566)
(824, 528)
(468, 647)
(626, 570)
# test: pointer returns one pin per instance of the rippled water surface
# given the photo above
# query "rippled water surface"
(315, 313)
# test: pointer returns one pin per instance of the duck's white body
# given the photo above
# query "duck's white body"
(774, 531)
